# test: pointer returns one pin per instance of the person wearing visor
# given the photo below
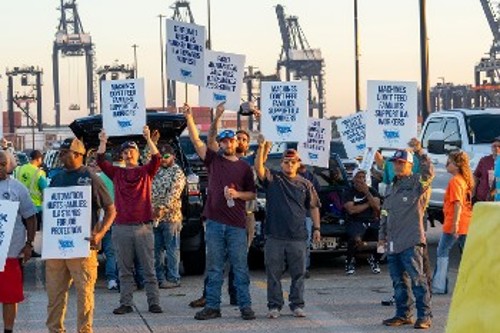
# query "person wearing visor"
(288, 198)
(61, 273)
(230, 185)
(168, 186)
(403, 236)
(133, 228)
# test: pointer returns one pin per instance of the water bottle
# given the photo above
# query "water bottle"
(230, 201)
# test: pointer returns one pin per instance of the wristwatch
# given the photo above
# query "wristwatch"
(316, 229)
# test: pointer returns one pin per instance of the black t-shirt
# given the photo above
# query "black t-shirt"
(84, 177)
(359, 198)
(287, 203)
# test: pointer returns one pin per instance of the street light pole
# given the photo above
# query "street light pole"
(135, 46)
(356, 55)
(162, 64)
(209, 39)
(424, 60)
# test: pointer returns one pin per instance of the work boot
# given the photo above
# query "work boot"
(198, 303)
(398, 321)
(207, 313)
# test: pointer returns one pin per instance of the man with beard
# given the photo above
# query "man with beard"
(230, 184)
(243, 138)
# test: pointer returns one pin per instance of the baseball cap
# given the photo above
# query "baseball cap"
(226, 134)
(291, 154)
(129, 145)
(74, 145)
(358, 170)
(402, 155)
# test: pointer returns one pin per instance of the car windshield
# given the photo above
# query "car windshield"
(187, 145)
(483, 128)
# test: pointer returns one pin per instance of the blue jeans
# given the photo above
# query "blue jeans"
(440, 278)
(167, 237)
(410, 261)
(225, 241)
(109, 252)
(309, 227)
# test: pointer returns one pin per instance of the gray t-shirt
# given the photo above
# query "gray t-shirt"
(13, 190)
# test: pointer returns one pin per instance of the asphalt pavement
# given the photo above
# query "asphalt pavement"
(334, 303)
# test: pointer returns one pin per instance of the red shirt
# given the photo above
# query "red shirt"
(457, 191)
(132, 189)
(482, 174)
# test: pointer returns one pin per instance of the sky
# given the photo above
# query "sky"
(388, 37)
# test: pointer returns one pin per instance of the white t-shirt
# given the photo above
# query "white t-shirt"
(13, 190)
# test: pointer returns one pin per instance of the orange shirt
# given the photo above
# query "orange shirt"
(457, 191)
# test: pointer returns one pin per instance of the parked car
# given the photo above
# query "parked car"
(333, 182)
(472, 131)
(170, 127)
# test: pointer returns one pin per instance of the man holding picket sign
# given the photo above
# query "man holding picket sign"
(60, 273)
(11, 281)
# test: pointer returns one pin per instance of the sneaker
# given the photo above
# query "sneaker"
(207, 313)
(198, 303)
(247, 314)
(422, 323)
(112, 285)
(169, 285)
(388, 301)
(299, 313)
(273, 313)
(155, 308)
(123, 309)
(397, 321)
(374, 265)
(350, 267)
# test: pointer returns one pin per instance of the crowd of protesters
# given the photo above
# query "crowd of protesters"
(136, 214)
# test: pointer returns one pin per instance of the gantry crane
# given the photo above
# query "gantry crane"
(301, 61)
(487, 71)
(72, 41)
(182, 13)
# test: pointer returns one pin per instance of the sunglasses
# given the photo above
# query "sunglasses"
(227, 134)
(165, 156)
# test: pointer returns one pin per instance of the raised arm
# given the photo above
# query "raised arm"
(151, 144)
(260, 157)
(426, 172)
(212, 132)
(103, 140)
(199, 145)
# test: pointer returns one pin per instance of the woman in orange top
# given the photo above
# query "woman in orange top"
(457, 209)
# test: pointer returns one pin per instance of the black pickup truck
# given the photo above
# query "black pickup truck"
(333, 182)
